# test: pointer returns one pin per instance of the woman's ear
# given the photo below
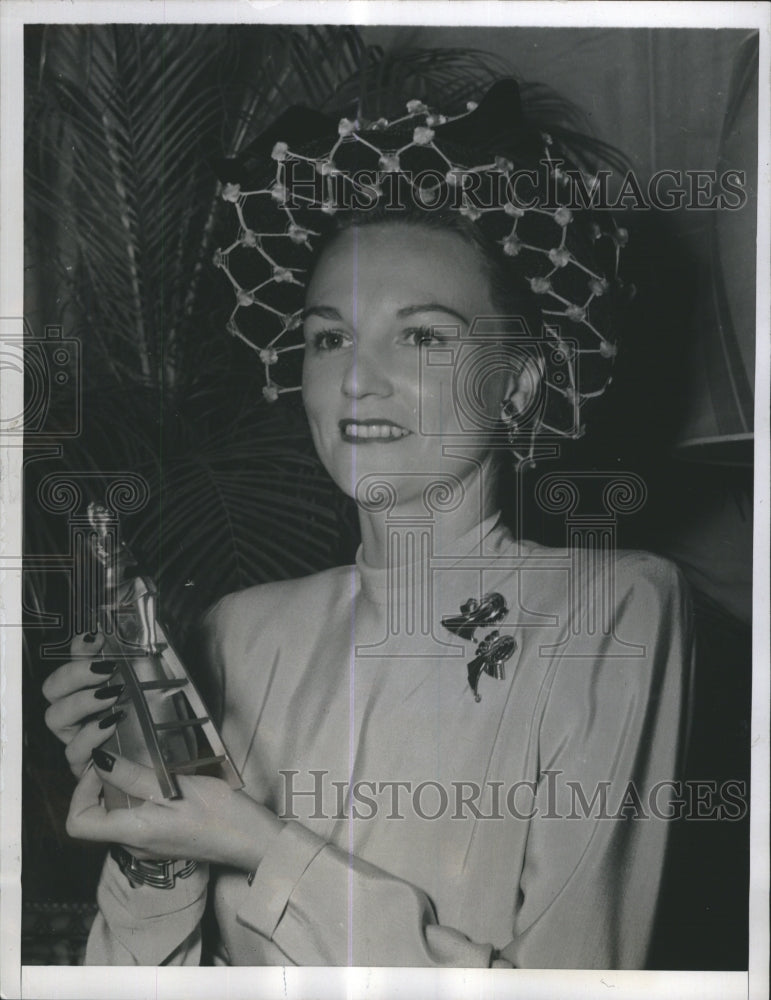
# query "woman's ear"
(522, 394)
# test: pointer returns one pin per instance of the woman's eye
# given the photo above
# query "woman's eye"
(421, 335)
(328, 340)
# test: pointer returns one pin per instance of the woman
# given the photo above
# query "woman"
(461, 750)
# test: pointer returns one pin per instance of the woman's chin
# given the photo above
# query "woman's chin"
(380, 486)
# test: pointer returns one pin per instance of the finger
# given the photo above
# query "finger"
(88, 792)
(89, 820)
(87, 815)
(77, 674)
(86, 739)
(87, 644)
(68, 714)
(128, 776)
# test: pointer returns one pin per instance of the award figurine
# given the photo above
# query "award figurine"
(166, 724)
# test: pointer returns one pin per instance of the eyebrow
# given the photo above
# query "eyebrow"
(328, 312)
(432, 307)
(325, 312)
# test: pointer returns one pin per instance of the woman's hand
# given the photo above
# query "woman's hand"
(210, 822)
(78, 691)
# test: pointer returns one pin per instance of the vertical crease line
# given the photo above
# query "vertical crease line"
(652, 119)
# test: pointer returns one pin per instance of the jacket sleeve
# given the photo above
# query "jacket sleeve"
(321, 906)
(612, 742)
(147, 926)
(613, 725)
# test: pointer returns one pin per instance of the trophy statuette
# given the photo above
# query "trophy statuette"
(166, 725)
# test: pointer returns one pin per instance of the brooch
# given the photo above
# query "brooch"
(495, 649)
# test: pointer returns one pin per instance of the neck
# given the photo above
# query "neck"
(415, 502)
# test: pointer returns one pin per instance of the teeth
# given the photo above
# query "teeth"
(369, 431)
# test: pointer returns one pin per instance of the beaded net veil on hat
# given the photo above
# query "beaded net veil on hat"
(506, 181)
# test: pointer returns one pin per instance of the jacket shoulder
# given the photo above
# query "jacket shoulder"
(239, 616)
(636, 569)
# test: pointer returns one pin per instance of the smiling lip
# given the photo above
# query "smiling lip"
(372, 431)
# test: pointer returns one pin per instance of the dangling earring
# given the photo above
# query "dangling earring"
(508, 413)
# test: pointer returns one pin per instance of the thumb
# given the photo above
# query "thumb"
(127, 776)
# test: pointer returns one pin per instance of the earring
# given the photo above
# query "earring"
(508, 412)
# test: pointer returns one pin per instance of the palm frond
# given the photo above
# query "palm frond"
(132, 110)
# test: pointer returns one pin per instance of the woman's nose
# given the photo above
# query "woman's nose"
(366, 375)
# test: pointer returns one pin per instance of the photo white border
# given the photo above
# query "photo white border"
(78, 983)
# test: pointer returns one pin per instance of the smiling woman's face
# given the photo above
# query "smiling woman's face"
(373, 307)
